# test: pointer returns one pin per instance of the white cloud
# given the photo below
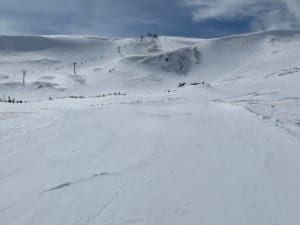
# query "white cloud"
(265, 14)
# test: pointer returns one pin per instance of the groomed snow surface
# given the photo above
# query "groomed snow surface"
(119, 143)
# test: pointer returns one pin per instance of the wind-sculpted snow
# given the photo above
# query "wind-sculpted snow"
(150, 130)
(178, 62)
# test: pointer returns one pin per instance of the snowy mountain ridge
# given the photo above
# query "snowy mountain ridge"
(105, 61)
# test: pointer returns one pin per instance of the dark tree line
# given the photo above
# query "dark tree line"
(11, 100)
(149, 35)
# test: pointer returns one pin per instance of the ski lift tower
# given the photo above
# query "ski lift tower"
(74, 64)
(24, 75)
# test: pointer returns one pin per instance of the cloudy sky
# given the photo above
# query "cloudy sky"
(193, 18)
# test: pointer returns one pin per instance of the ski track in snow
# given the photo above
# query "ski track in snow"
(67, 184)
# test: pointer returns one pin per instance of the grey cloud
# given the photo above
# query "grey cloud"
(104, 17)
(134, 17)
(294, 7)
(8, 26)
(265, 14)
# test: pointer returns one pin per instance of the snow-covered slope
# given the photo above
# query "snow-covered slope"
(107, 63)
(120, 143)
